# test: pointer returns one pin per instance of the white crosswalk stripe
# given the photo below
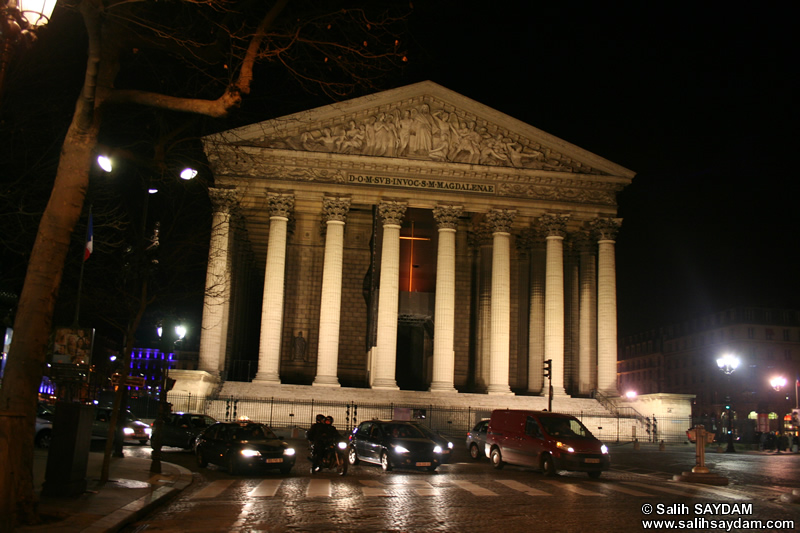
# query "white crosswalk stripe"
(266, 488)
(373, 488)
(477, 490)
(577, 489)
(319, 488)
(691, 490)
(626, 490)
(521, 487)
(212, 490)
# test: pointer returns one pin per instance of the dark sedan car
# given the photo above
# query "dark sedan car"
(181, 429)
(243, 445)
(398, 444)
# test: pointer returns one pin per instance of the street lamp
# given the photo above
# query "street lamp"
(19, 20)
(728, 363)
(168, 343)
(777, 383)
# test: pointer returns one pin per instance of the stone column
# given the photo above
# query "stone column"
(587, 344)
(536, 313)
(269, 350)
(500, 221)
(217, 299)
(606, 231)
(554, 227)
(386, 344)
(335, 213)
(446, 217)
(480, 242)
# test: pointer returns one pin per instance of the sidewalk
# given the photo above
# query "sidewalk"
(131, 492)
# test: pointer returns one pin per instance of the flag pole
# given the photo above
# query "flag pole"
(87, 250)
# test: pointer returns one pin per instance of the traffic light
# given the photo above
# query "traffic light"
(548, 368)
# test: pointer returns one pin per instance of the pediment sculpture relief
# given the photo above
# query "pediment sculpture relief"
(420, 132)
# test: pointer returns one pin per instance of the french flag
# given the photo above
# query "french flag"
(89, 240)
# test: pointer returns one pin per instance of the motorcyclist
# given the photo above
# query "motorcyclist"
(322, 437)
(313, 433)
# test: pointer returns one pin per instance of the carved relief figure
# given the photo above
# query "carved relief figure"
(385, 136)
(428, 134)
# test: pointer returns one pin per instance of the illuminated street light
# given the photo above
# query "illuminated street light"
(778, 382)
(728, 363)
(105, 163)
(631, 394)
(188, 173)
(19, 20)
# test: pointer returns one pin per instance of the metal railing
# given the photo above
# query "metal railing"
(453, 422)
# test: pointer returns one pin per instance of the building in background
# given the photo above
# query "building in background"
(682, 358)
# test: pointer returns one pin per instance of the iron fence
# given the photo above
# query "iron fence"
(453, 422)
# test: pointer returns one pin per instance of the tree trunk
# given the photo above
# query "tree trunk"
(33, 326)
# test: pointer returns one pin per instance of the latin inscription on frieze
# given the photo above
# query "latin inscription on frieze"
(421, 183)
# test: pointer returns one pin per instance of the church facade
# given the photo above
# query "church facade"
(412, 239)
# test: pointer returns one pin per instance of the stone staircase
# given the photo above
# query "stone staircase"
(405, 398)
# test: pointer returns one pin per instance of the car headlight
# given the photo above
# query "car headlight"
(437, 449)
(450, 445)
(288, 451)
(250, 453)
(400, 449)
(603, 449)
(342, 445)
(127, 431)
(565, 447)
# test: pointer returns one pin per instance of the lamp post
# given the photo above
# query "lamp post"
(728, 364)
(19, 20)
(778, 383)
(168, 343)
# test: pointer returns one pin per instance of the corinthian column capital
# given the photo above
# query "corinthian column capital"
(554, 225)
(392, 212)
(446, 216)
(500, 220)
(280, 205)
(605, 229)
(335, 208)
(223, 200)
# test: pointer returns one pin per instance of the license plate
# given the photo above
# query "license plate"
(278, 460)
(423, 464)
(591, 460)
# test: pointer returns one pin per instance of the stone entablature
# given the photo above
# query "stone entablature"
(248, 162)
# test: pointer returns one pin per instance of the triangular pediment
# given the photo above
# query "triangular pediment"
(425, 122)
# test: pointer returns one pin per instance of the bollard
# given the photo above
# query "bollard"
(662, 446)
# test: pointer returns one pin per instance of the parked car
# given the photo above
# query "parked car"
(134, 429)
(476, 440)
(181, 429)
(545, 440)
(398, 444)
(240, 445)
(44, 433)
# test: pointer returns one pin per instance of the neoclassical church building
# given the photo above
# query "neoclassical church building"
(412, 239)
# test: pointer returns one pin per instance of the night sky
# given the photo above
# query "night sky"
(700, 102)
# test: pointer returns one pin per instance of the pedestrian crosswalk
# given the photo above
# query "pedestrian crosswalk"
(315, 488)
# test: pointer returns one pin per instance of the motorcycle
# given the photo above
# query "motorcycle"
(330, 454)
